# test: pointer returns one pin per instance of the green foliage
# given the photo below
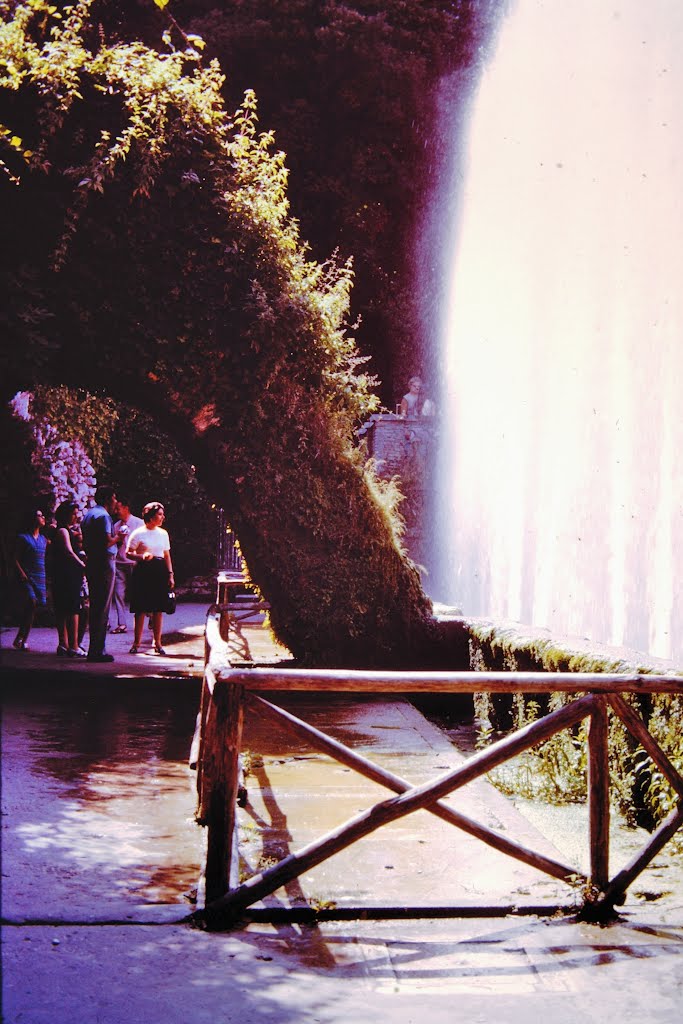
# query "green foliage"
(350, 88)
(153, 255)
(556, 771)
(77, 415)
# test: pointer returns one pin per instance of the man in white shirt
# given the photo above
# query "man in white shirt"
(124, 565)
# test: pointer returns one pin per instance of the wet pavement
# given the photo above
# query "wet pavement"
(98, 800)
(101, 857)
(296, 795)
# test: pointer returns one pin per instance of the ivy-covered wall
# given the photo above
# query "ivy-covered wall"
(511, 647)
(350, 89)
(558, 768)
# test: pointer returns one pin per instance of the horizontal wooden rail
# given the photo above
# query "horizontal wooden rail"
(407, 681)
(333, 680)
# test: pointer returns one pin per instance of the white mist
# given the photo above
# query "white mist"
(562, 329)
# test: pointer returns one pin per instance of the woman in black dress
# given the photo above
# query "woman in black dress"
(67, 578)
(152, 578)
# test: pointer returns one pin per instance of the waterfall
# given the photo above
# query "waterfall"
(561, 327)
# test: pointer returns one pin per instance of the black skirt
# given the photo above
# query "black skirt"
(149, 586)
(66, 589)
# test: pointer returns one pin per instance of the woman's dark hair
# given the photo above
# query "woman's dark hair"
(64, 513)
(151, 509)
(30, 515)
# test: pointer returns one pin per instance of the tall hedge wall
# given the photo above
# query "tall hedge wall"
(152, 256)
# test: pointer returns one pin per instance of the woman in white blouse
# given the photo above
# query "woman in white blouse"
(152, 577)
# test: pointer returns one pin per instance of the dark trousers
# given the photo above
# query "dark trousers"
(101, 580)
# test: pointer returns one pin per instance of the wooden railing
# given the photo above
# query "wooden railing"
(226, 690)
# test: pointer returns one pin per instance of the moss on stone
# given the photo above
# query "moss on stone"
(638, 788)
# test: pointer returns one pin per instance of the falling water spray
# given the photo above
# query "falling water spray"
(561, 323)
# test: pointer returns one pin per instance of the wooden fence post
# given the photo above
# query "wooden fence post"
(598, 794)
(221, 753)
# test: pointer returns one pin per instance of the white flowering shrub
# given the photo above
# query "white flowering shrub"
(66, 464)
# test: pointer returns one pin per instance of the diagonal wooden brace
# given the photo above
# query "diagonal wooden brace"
(370, 770)
(635, 725)
(616, 889)
(228, 907)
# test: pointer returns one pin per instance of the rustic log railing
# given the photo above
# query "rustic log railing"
(226, 690)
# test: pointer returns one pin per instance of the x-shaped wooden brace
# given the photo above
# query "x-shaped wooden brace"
(428, 795)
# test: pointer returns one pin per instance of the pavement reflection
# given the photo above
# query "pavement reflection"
(100, 798)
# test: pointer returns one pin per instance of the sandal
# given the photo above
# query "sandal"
(159, 650)
(134, 649)
(19, 643)
(120, 629)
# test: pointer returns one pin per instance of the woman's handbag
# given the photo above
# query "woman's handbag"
(170, 603)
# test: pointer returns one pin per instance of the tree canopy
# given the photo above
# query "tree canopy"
(350, 88)
(152, 256)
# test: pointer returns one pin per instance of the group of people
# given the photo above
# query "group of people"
(112, 557)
